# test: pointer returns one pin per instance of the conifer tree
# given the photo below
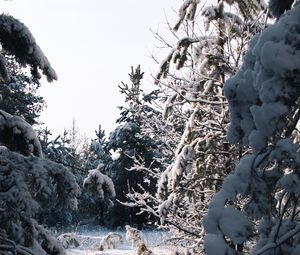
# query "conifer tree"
(257, 209)
(97, 152)
(27, 180)
(130, 144)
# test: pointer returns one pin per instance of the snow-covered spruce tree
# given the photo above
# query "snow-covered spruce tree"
(258, 204)
(70, 148)
(97, 152)
(57, 149)
(135, 150)
(27, 181)
(211, 41)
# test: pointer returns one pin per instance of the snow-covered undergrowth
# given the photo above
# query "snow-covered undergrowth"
(88, 239)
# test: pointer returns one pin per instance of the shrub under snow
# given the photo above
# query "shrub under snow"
(101, 185)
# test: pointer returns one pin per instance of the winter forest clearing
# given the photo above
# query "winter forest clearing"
(208, 162)
(89, 240)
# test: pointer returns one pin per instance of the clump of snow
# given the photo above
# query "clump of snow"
(237, 234)
(187, 11)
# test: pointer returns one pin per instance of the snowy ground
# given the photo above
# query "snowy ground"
(87, 239)
(157, 251)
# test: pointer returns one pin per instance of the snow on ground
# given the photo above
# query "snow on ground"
(156, 250)
(87, 239)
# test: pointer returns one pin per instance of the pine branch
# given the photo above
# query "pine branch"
(11, 246)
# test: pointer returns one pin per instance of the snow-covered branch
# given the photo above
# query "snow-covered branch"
(18, 41)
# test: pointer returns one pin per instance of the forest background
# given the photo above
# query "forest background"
(215, 143)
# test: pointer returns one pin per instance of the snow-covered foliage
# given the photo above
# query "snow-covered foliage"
(258, 203)
(18, 135)
(182, 165)
(3, 67)
(139, 148)
(170, 180)
(69, 148)
(19, 94)
(262, 93)
(186, 11)
(57, 149)
(26, 183)
(101, 185)
(97, 153)
(74, 151)
(17, 40)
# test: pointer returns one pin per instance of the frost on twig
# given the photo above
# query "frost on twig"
(178, 56)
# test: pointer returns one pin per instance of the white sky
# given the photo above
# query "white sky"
(92, 45)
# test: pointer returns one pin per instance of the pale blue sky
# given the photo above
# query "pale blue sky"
(91, 44)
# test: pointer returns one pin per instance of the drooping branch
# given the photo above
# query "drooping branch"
(18, 41)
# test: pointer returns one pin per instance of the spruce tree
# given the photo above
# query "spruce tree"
(130, 145)
(27, 180)
(257, 209)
